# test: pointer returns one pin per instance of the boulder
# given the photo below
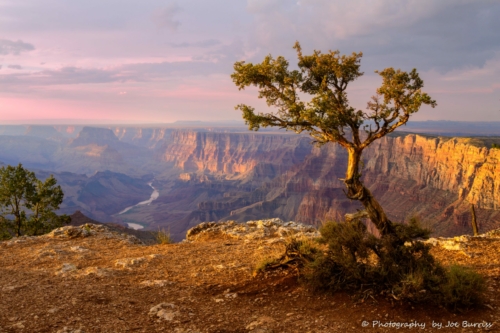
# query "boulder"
(258, 229)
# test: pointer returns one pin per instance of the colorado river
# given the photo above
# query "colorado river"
(153, 197)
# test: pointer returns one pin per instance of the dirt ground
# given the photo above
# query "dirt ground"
(107, 284)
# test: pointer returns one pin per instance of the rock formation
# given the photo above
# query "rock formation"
(274, 228)
(255, 176)
(211, 174)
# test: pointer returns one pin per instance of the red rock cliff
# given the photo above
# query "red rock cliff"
(435, 179)
(233, 154)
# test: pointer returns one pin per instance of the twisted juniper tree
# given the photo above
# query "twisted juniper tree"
(328, 116)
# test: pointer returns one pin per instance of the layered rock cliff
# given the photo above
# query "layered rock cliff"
(233, 154)
(143, 137)
(435, 179)
(229, 174)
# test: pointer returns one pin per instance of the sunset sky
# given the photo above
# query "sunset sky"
(151, 61)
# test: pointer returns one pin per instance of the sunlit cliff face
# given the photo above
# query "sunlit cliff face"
(211, 176)
(435, 179)
(229, 154)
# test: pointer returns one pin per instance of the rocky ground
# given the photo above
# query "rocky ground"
(92, 279)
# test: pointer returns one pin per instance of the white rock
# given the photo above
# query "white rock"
(261, 324)
(66, 268)
(252, 229)
(156, 283)
(69, 232)
(66, 329)
(129, 262)
(78, 249)
(155, 256)
(163, 311)
(96, 271)
(452, 246)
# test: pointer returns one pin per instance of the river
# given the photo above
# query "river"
(153, 197)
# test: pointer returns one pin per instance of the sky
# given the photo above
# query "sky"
(152, 61)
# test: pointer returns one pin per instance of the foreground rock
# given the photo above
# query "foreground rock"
(71, 232)
(270, 228)
(466, 244)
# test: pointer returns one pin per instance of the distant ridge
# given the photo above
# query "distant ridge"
(89, 135)
(453, 128)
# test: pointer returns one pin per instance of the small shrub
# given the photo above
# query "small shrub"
(297, 251)
(399, 266)
(4, 235)
(4, 229)
(264, 264)
(163, 236)
(495, 146)
(463, 287)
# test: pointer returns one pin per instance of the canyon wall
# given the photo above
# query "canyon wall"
(143, 137)
(434, 179)
(234, 154)
(437, 179)
(211, 174)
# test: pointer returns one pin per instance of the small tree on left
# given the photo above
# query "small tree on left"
(27, 205)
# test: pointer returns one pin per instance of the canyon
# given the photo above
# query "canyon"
(220, 173)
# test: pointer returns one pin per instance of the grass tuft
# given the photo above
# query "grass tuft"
(163, 236)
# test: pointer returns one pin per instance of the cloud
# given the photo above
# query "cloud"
(259, 6)
(15, 67)
(66, 75)
(201, 44)
(53, 15)
(165, 17)
(15, 48)
(444, 35)
(138, 72)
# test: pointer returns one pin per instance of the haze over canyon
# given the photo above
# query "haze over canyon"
(204, 172)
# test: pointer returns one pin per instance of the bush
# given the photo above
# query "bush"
(399, 266)
(298, 250)
(463, 287)
(265, 263)
(495, 146)
(4, 229)
(163, 237)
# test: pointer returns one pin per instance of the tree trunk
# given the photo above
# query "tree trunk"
(474, 222)
(357, 191)
(17, 215)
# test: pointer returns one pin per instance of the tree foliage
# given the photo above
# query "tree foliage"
(328, 116)
(27, 205)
